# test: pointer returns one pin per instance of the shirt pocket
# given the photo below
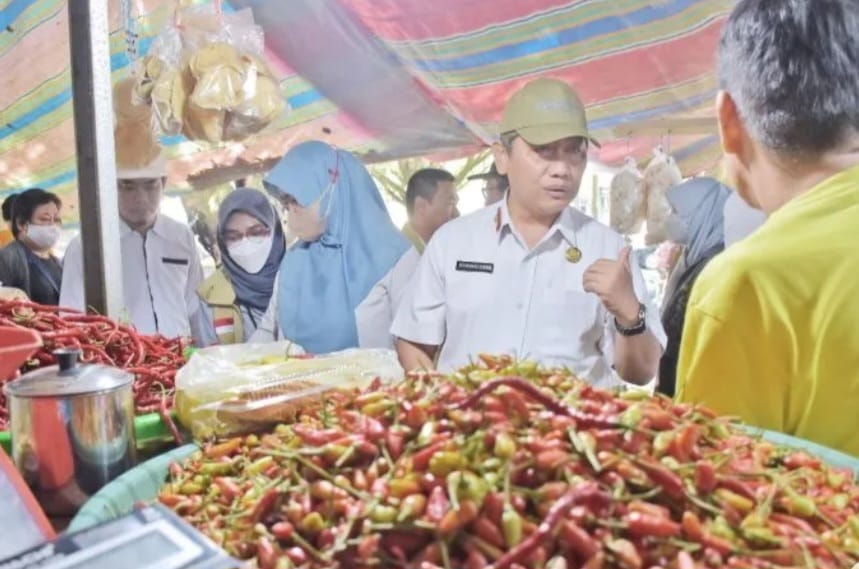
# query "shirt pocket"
(469, 292)
(175, 273)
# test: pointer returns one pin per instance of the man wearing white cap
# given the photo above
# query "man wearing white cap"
(160, 265)
(531, 276)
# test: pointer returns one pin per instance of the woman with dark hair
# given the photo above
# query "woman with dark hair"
(251, 245)
(28, 263)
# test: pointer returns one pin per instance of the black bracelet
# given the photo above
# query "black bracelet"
(638, 328)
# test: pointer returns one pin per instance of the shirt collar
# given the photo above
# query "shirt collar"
(565, 225)
(157, 228)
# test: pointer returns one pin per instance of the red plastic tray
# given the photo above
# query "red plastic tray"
(16, 345)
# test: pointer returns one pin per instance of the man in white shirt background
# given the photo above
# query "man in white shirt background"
(160, 264)
(431, 201)
(531, 276)
(494, 185)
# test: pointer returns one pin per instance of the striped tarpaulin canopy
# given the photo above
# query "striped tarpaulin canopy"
(391, 78)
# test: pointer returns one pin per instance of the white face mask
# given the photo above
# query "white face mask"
(251, 253)
(43, 236)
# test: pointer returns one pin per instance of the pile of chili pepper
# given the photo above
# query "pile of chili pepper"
(506, 466)
(153, 359)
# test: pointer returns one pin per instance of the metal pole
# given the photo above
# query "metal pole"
(93, 113)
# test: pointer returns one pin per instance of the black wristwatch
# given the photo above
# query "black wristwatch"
(638, 328)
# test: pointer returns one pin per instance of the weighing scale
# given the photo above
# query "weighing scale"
(152, 537)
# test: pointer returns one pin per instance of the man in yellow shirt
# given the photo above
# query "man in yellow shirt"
(772, 328)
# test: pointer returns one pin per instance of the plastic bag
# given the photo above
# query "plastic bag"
(205, 77)
(224, 390)
(627, 199)
(661, 174)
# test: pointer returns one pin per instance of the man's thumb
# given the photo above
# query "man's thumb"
(624, 256)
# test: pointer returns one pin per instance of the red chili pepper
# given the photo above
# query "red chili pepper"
(705, 477)
(265, 505)
(317, 437)
(488, 531)
(643, 525)
(670, 482)
(579, 541)
(421, 459)
(583, 420)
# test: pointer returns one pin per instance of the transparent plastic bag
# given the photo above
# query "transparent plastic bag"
(206, 78)
(627, 199)
(661, 174)
(224, 390)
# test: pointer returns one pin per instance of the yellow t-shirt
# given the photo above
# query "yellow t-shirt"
(772, 326)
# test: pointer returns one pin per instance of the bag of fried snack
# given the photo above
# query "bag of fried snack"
(225, 390)
(212, 84)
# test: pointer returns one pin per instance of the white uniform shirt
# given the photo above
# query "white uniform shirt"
(160, 274)
(375, 314)
(740, 219)
(478, 289)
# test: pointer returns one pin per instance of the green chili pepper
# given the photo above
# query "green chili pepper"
(377, 408)
(505, 446)
(734, 500)
(189, 488)
(511, 526)
(383, 514)
(632, 416)
(443, 463)
(260, 465)
(217, 468)
(799, 505)
(839, 501)
(762, 536)
(313, 523)
(661, 442)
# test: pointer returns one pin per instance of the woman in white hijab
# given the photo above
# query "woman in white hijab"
(696, 223)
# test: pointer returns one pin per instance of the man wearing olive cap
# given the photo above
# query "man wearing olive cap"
(531, 276)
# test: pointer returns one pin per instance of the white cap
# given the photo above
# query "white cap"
(155, 169)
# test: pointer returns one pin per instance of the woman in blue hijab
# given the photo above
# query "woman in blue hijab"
(697, 223)
(346, 244)
(251, 242)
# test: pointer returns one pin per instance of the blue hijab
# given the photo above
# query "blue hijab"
(252, 290)
(322, 282)
(700, 203)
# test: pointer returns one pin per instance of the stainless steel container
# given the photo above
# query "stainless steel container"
(72, 428)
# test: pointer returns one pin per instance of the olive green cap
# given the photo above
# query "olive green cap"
(545, 111)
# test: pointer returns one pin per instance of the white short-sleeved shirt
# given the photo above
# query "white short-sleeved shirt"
(478, 289)
(160, 274)
(375, 314)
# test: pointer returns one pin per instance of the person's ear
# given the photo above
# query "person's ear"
(731, 129)
(501, 156)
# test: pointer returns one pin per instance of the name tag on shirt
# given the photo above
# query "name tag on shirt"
(475, 267)
(170, 261)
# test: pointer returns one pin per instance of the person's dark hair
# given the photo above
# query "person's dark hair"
(26, 203)
(792, 68)
(8, 203)
(424, 183)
